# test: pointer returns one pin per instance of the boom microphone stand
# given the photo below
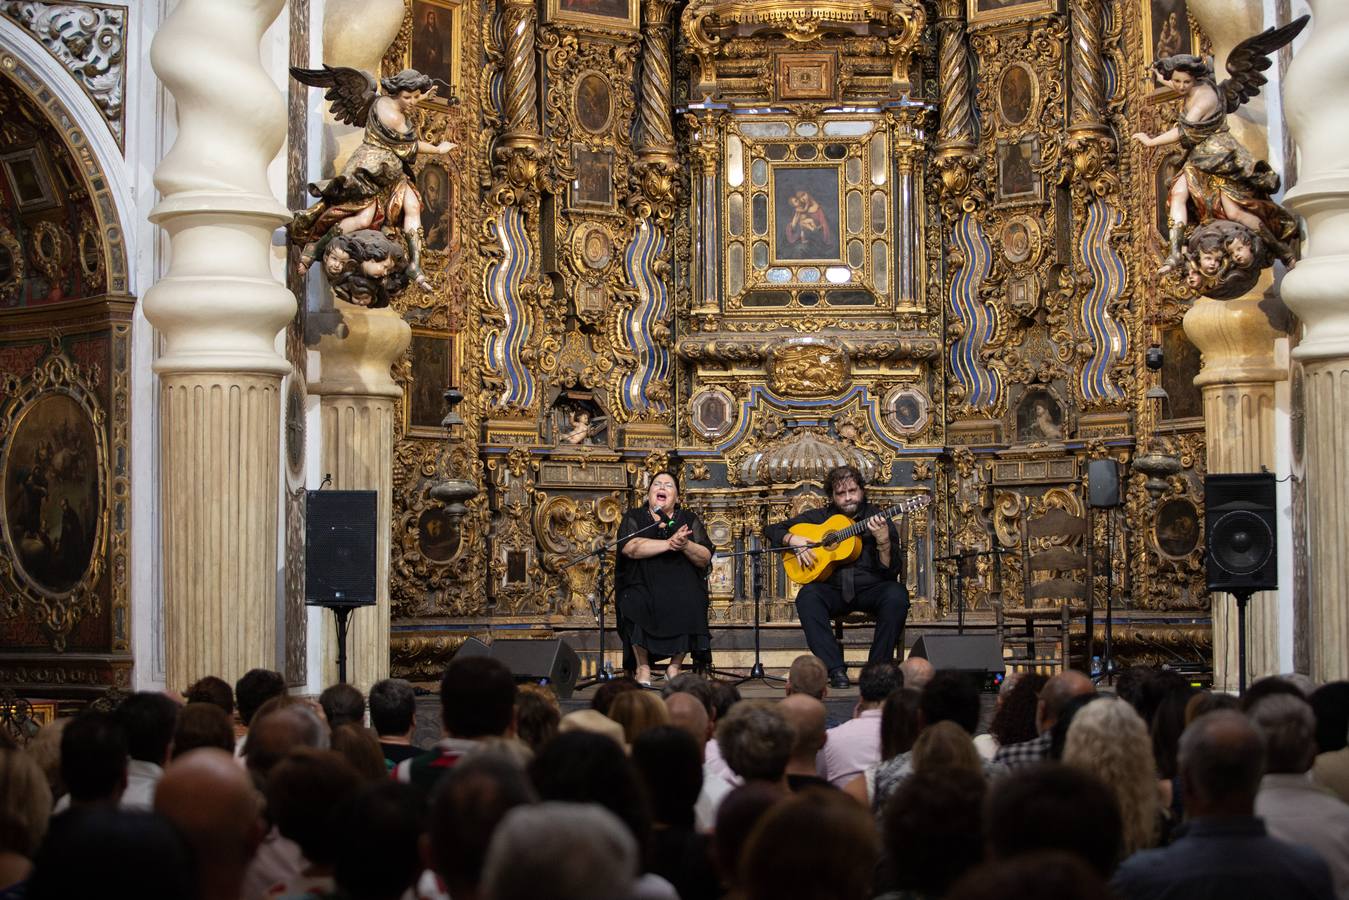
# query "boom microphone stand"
(964, 560)
(756, 554)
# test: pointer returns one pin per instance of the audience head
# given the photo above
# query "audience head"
(1058, 735)
(1167, 724)
(1205, 702)
(202, 725)
(280, 726)
(1056, 693)
(85, 855)
(1053, 807)
(380, 824)
(899, 722)
(877, 681)
(592, 722)
(724, 696)
(807, 718)
(212, 801)
(1014, 722)
(1288, 726)
(1109, 740)
(916, 672)
(670, 764)
(148, 719)
(45, 749)
(466, 808)
(606, 692)
(1330, 702)
(755, 741)
(819, 845)
(359, 747)
(94, 758)
(560, 851)
(342, 703)
(1268, 687)
(950, 697)
(477, 698)
(689, 713)
(581, 767)
(1154, 683)
(946, 745)
(25, 803)
(303, 790)
(808, 676)
(933, 828)
(537, 714)
(696, 685)
(637, 711)
(215, 691)
(255, 688)
(740, 811)
(1222, 757)
(1044, 876)
(393, 707)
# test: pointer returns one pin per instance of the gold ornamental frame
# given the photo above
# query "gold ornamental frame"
(455, 33)
(582, 12)
(983, 12)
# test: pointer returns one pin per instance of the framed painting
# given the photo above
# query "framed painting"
(1166, 30)
(806, 76)
(434, 47)
(436, 185)
(29, 179)
(807, 212)
(1039, 418)
(434, 369)
(983, 11)
(1184, 398)
(1176, 531)
(593, 187)
(1018, 181)
(1018, 89)
(593, 102)
(437, 535)
(607, 14)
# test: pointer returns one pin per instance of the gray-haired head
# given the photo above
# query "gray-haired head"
(756, 741)
(1289, 728)
(560, 851)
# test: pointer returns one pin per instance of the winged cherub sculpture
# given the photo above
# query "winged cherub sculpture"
(1219, 180)
(376, 188)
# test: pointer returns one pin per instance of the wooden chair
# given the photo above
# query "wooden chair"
(858, 619)
(1043, 624)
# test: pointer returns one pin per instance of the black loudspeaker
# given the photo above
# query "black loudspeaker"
(1103, 483)
(553, 663)
(977, 655)
(339, 548)
(1241, 533)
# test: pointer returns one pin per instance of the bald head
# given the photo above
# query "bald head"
(807, 716)
(1056, 693)
(689, 714)
(1222, 756)
(274, 734)
(213, 802)
(917, 672)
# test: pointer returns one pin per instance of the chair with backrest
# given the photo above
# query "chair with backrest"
(857, 619)
(1055, 587)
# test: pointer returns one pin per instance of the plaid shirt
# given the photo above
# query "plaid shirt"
(1026, 753)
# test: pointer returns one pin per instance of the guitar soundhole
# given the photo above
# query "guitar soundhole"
(830, 540)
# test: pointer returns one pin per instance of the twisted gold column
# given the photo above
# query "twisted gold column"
(657, 131)
(1088, 93)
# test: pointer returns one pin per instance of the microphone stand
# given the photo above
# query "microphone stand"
(604, 672)
(756, 554)
(960, 559)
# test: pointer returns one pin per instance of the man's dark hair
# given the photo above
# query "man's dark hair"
(202, 725)
(695, 684)
(584, 767)
(93, 757)
(212, 690)
(1054, 807)
(147, 719)
(950, 697)
(303, 791)
(381, 824)
(879, 680)
(477, 697)
(86, 849)
(899, 722)
(343, 705)
(393, 706)
(1046, 876)
(724, 695)
(1167, 725)
(1268, 687)
(671, 765)
(840, 475)
(606, 692)
(255, 688)
(466, 807)
(932, 828)
(1014, 722)
(737, 817)
(1330, 702)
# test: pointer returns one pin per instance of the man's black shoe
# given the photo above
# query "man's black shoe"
(839, 679)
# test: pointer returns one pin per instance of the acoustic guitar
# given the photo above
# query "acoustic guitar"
(837, 541)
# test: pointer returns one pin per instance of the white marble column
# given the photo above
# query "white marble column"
(1316, 102)
(218, 311)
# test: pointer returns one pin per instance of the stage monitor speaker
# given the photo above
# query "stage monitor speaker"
(1103, 483)
(978, 656)
(339, 548)
(553, 662)
(1241, 532)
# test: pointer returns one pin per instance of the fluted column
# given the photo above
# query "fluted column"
(357, 395)
(1316, 103)
(218, 311)
(1237, 380)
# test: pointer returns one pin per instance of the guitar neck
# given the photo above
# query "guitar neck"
(857, 528)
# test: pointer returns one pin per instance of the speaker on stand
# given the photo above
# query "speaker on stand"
(1102, 493)
(1241, 543)
(339, 557)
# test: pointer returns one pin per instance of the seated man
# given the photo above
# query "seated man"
(871, 583)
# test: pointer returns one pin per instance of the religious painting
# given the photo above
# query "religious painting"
(593, 187)
(433, 371)
(433, 48)
(1176, 532)
(981, 11)
(1167, 31)
(437, 535)
(52, 504)
(514, 567)
(29, 179)
(436, 186)
(1181, 367)
(806, 214)
(1016, 239)
(806, 76)
(1039, 418)
(593, 102)
(579, 423)
(712, 413)
(607, 14)
(1016, 94)
(593, 246)
(1017, 178)
(906, 410)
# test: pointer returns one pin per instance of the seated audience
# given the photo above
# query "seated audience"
(376, 839)
(251, 691)
(393, 715)
(899, 730)
(637, 711)
(806, 716)
(93, 760)
(669, 762)
(1330, 702)
(282, 724)
(1203, 702)
(303, 791)
(537, 714)
(915, 672)
(933, 830)
(818, 845)
(606, 692)
(148, 721)
(1054, 696)
(1051, 806)
(342, 704)
(946, 746)
(593, 722)
(1268, 686)
(103, 851)
(1013, 715)
(359, 747)
(202, 725)
(737, 819)
(1058, 735)
(756, 742)
(808, 676)
(1108, 739)
(560, 851)
(45, 748)
(1043, 876)
(25, 806)
(212, 690)
(688, 713)
(856, 744)
(1223, 851)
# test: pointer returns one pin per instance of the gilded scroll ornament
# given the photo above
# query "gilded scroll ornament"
(807, 367)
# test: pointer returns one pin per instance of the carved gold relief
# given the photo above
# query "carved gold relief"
(805, 367)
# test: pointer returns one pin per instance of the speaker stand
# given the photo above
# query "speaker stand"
(342, 613)
(1243, 598)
